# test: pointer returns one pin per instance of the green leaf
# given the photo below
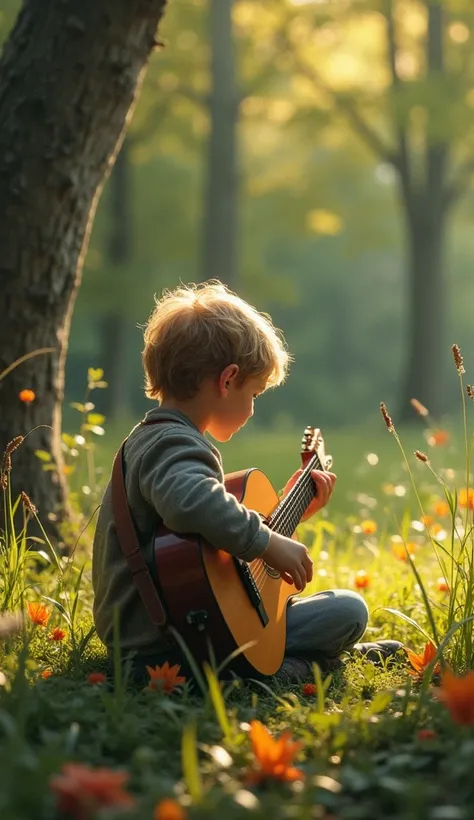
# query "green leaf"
(218, 701)
(379, 703)
(190, 762)
(43, 455)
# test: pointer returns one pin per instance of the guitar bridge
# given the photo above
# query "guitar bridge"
(251, 589)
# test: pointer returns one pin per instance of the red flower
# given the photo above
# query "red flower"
(96, 677)
(27, 396)
(458, 696)
(57, 634)
(420, 663)
(169, 809)
(46, 673)
(82, 790)
(362, 579)
(426, 734)
(274, 757)
(165, 678)
(38, 613)
(309, 689)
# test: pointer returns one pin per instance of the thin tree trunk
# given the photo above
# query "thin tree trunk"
(68, 77)
(119, 254)
(426, 348)
(221, 191)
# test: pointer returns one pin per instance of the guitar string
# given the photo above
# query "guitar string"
(292, 516)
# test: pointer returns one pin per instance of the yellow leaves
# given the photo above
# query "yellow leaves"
(324, 222)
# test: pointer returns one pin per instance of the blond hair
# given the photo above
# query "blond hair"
(195, 331)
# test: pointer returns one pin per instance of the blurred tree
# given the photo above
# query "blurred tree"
(400, 73)
(220, 244)
(69, 74)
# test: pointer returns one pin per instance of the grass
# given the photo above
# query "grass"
(375, 742)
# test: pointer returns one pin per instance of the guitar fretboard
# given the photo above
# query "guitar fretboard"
(287, 515)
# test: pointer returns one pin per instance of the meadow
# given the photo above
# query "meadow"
(369, 742)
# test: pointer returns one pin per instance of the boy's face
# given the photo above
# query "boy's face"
(234, 409)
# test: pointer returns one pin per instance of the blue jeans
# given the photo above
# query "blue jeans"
(325, 624)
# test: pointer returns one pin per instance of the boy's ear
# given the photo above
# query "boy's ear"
(228, 375)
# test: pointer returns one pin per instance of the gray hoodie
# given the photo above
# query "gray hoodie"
(172, 473)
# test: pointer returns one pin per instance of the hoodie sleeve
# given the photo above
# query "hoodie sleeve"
(180, 477)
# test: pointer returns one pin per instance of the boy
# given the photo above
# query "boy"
(208, 355)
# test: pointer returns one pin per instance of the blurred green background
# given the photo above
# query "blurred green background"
(315, 156)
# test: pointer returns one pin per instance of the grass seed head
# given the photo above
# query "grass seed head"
(421, 456)
(458, 360)
(388, 421)
(28, 503)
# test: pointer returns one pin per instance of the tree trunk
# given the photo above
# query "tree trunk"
(68, 77)
(221, 192)
(426, 349)
(113, 343)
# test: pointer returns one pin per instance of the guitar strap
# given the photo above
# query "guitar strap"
(130, 546)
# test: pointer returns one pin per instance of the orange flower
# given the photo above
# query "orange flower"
(442, 585)
(169, 809)
(361, 580)
(27, 396)
(438, 438)
(165, 678)
(46, 673)
(309, 689)
(400, 552)
(38, 614)
(57, 634)
(466, 498)
(82, 790)
(273, 756)
(458, 696)
(426, 734)
(96, 677)
(368, 527)
(436, 529)
(420, 663)
(441, 508)
(427, 520)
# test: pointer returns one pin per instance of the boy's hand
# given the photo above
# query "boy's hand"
(290, 558)
(324, 486)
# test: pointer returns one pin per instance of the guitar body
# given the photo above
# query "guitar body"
(220, 605)
(210, 599)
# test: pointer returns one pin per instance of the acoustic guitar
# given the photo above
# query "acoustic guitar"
(219, 603)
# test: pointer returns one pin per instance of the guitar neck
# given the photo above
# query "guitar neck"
(287, 515)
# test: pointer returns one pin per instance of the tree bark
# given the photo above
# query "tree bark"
(426, 349)
(68, 77)
(113, 327)
(221, 191)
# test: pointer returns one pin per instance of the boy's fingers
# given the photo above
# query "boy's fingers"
(308, 565)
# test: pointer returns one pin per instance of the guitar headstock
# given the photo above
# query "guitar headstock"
(311, 443)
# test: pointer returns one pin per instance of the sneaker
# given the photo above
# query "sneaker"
(300, 670)
(378, 652)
